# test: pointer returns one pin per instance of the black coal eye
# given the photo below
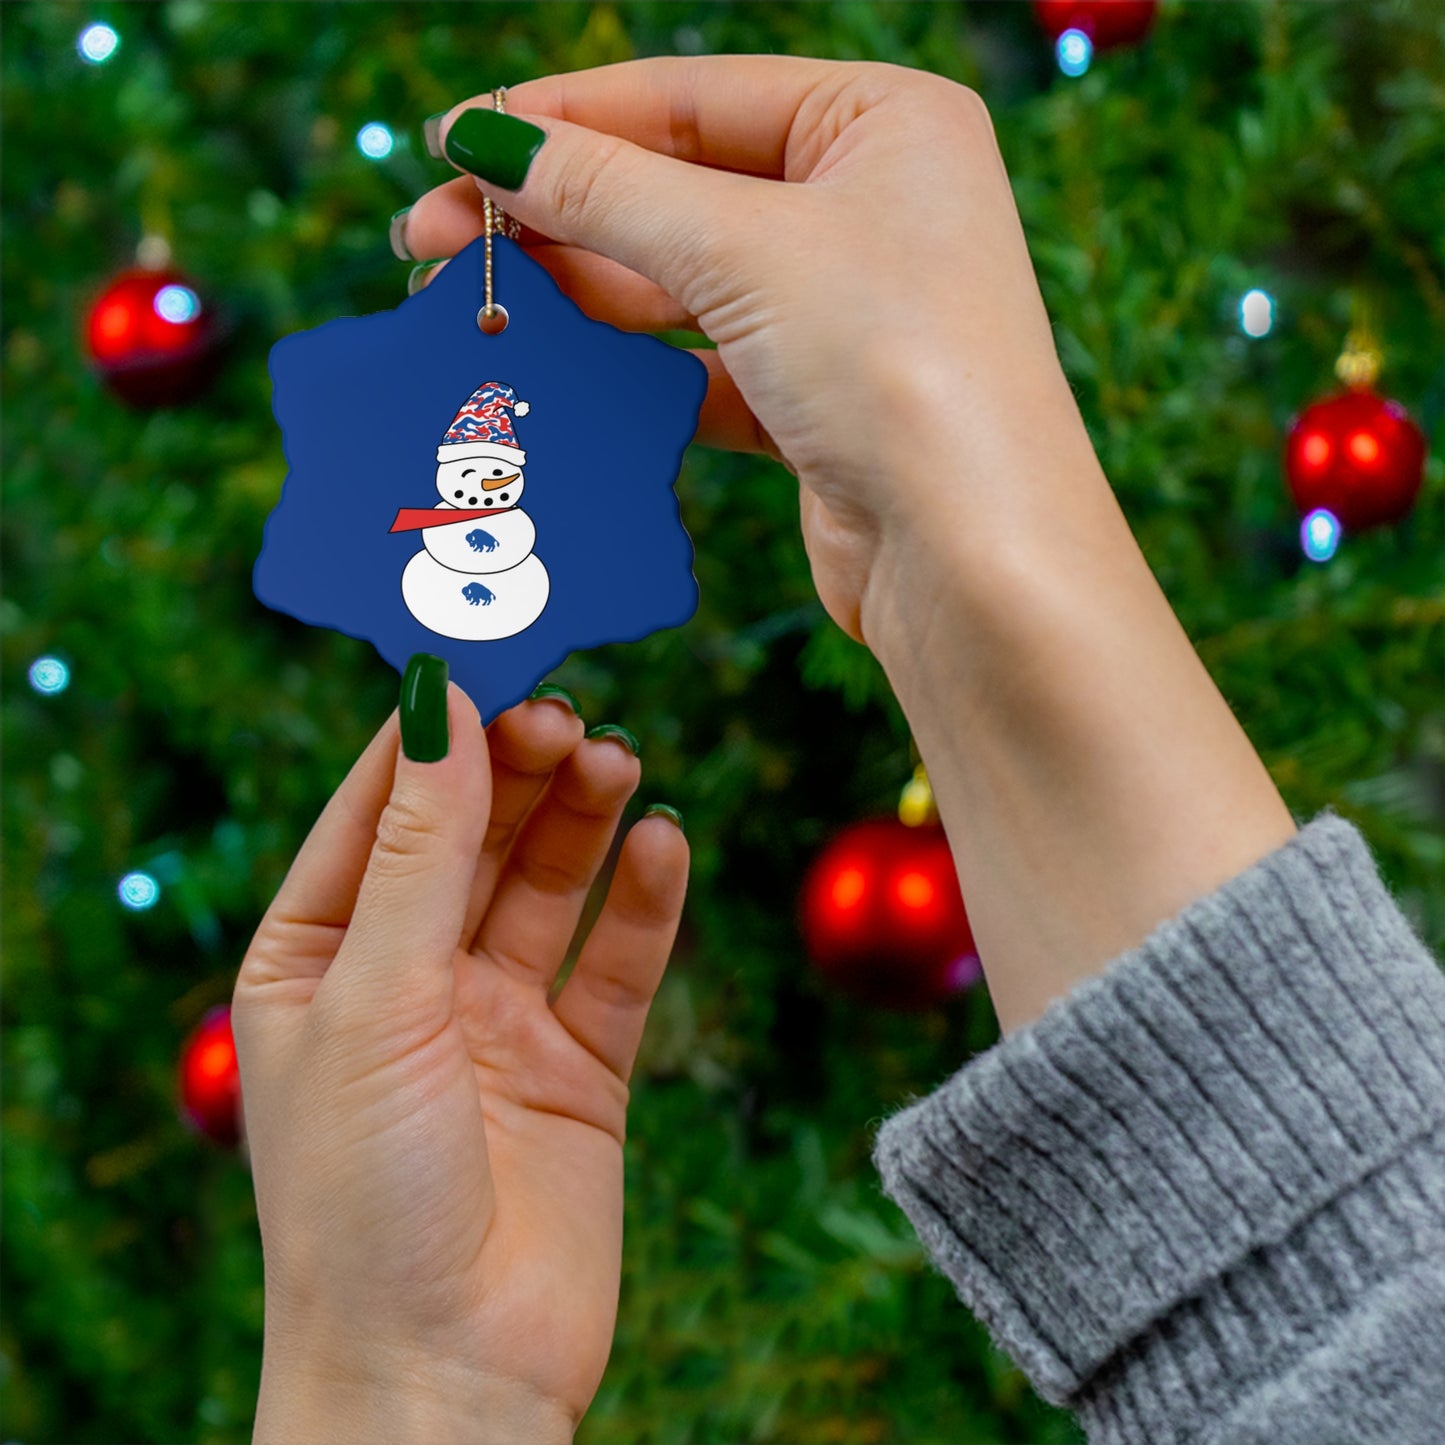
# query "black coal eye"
(470, 472)
(496, 471)
(456, 494)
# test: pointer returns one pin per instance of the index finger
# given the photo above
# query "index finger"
(734, 112)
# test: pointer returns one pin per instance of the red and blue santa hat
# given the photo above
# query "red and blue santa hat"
(483, 426)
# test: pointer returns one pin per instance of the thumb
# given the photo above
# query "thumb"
(664, 218)
(413, 897)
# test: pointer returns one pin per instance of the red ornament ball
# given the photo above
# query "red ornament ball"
(1357, 455)
(210, 1080)
(883, 917)
(1107, 23)
(152, 338)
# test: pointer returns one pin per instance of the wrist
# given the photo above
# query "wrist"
(986, 519)
(1092, 779)
(403, 1399)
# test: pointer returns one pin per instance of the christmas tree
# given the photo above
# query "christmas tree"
(169, 742)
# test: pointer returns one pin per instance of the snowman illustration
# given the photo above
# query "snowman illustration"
(476, 577)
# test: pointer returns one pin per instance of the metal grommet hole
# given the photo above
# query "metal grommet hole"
(492, 320)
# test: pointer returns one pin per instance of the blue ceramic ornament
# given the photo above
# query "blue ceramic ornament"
(497, 500)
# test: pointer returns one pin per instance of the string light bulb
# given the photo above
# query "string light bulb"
(1074, 51)
(375, 141)
(97, 43)
(1320, 535)
(49, 675)
(1256, 313)
(138, 891)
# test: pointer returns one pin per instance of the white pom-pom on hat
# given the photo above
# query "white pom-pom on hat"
(522, 408)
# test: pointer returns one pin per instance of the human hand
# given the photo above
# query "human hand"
(436, 1150)
(847, 235)
(878, 323)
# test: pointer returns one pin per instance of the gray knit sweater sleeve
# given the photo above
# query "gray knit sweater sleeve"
(1202, 1198)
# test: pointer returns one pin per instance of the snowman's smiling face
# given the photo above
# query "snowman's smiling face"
(476, 482)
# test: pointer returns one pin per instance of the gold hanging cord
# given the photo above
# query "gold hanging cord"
(492, 318)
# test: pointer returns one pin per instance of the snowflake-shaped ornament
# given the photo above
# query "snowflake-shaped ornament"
(498, 500)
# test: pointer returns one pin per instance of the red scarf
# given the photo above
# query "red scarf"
(413, 519)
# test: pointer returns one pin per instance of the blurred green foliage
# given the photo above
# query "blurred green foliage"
(771, 1293)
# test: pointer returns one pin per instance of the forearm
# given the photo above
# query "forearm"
(1091, 778)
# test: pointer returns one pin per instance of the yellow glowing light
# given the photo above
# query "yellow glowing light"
(1364, 448)
(1316, 449)
(915, 890)
(215, 1059)
(915, 805)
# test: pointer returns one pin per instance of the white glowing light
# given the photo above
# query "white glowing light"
(177, 304)
(1319, 535)
(49, 675)
(375, 141)
(1256, 313)
(97, 43)
(138, 891)
(1074, 50)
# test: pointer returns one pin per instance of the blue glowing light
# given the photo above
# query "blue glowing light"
(138, 891)
(177, 304)
(1256, 313)
(97, 43)
(49, 675)
(375, 141)
(1319, 535)
(1074, 51)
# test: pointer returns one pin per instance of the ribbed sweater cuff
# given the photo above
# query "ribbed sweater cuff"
(1214, 1106)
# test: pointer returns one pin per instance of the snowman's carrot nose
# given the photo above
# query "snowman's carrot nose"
(490, 484)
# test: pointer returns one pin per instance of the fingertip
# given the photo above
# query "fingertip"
(447, 783)
(608, 761)
(442, 732)
(536, 734)
(460, 704)
(665, 810)
(659, 845)
(652, 871)
(464, 720)
(435, 128)
(554, 692)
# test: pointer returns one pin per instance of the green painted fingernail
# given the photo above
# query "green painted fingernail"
(396, 233)
(666, 811)
(550, 689)
(431, 133)
(498, 148)
(424, 733)
(418, 274)
(614, 730)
